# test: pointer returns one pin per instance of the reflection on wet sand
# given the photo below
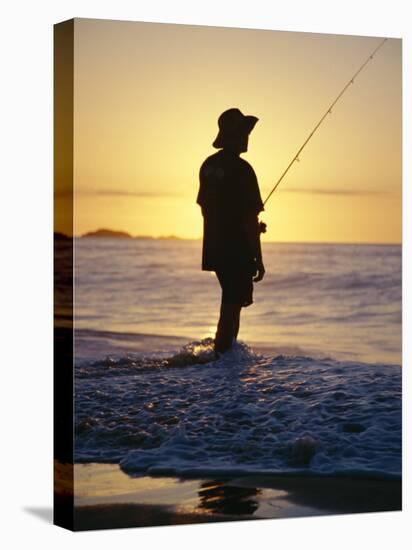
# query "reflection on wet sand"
(219, 498)
(105, 497)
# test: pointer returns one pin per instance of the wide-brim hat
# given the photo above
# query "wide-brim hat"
(233, 125)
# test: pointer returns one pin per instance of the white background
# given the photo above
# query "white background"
(26, 271)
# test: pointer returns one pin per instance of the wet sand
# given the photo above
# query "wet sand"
(107, 498)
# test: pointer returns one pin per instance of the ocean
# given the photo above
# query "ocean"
(313, 385)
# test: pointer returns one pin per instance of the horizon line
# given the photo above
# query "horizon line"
(178, 238)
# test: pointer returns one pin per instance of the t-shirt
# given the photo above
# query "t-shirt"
(228, 192)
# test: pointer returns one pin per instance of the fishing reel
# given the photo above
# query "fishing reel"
(262, 227)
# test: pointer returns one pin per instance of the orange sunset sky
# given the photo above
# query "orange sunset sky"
(146, 102)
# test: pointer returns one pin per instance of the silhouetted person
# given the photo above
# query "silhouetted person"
(230, 200)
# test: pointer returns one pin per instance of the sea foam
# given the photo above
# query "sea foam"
(189, 414)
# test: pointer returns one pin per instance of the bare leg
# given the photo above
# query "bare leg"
(228, 326)
(237, 324)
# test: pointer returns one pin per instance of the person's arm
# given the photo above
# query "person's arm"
(252, 205)
(253, 237)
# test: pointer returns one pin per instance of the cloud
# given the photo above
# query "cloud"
(117, 193)
(129, 193)
(335, 191)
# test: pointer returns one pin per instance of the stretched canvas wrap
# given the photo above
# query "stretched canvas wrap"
(227, 274)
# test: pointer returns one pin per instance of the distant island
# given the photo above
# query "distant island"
(111, 234)
(107, 233)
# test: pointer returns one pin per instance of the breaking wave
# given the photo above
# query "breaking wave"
(187, 413)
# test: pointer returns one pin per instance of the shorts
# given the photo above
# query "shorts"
(237, 286)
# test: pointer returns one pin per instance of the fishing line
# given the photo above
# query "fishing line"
(328, 112)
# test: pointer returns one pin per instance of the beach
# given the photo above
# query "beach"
(108, 498)
(301, 418)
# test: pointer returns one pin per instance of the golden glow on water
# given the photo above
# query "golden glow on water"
(147, 98)
(210, 332)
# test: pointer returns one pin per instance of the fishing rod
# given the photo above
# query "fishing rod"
(328, 112)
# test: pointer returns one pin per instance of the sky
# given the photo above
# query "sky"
(146, 102)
